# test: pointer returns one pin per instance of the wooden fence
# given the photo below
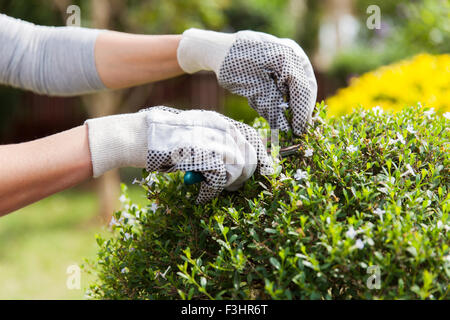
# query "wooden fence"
(39, 116)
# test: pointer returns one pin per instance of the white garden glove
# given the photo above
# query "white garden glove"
(163, 139)
(258, 66)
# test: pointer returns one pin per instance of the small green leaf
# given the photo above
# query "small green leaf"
(275, 263)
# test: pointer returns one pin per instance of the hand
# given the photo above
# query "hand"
(163, 139)
(258, 66)
(264, 69)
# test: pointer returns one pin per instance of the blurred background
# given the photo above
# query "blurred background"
(365, 52)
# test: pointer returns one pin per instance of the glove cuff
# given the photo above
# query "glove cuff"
(117, 141)
(203, 50)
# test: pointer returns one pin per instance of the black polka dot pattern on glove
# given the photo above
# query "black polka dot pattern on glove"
(265, 73)
(265, 163)
(209, 163)
(192, 159)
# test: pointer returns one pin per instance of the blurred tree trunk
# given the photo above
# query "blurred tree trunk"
(103, 104)
(99, 105)
(336, 25)
(108, 185)
(338, 9)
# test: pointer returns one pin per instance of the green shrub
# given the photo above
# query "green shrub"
(372, 196)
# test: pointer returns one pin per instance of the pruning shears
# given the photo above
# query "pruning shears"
(193, 177)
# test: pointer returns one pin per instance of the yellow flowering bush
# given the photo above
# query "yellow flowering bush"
(424, 78)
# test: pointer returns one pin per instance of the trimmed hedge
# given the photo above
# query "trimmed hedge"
(362, 211)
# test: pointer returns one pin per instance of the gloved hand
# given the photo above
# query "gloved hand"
(258, 66)
(163, 139)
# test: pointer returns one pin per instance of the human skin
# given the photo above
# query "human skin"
(125, 60)
(33, 170)
(36, 169)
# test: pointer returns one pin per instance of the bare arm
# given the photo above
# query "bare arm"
(125, 60)
(34, 170)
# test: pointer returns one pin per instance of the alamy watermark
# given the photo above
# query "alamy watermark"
(74, 277)
(74, 18)
(374, 280)
(374, 20)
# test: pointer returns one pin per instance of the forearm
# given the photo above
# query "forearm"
(125, 60)
(34, 170)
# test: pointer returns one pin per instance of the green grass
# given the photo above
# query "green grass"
(39, 242)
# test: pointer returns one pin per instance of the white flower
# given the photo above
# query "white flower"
(377, 110)
(127, 236)
(283, 177)
(309, 152)
(135, 208)
(429, 113)
(351, 233)
(359, 244)
(351, 148)
(400, 138)
(384, 190)
(409, 171)
(410, 129)
(114, 222)
(150, 179)
(379, 212)
(328, 220)
(318, 118)
(126, 215)
(446, 115)
(123, 199)
(392, 141)
(154, 207)
(124, 270)
(299, 175)
(284, 105)
(440, 224)
(139, 182)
